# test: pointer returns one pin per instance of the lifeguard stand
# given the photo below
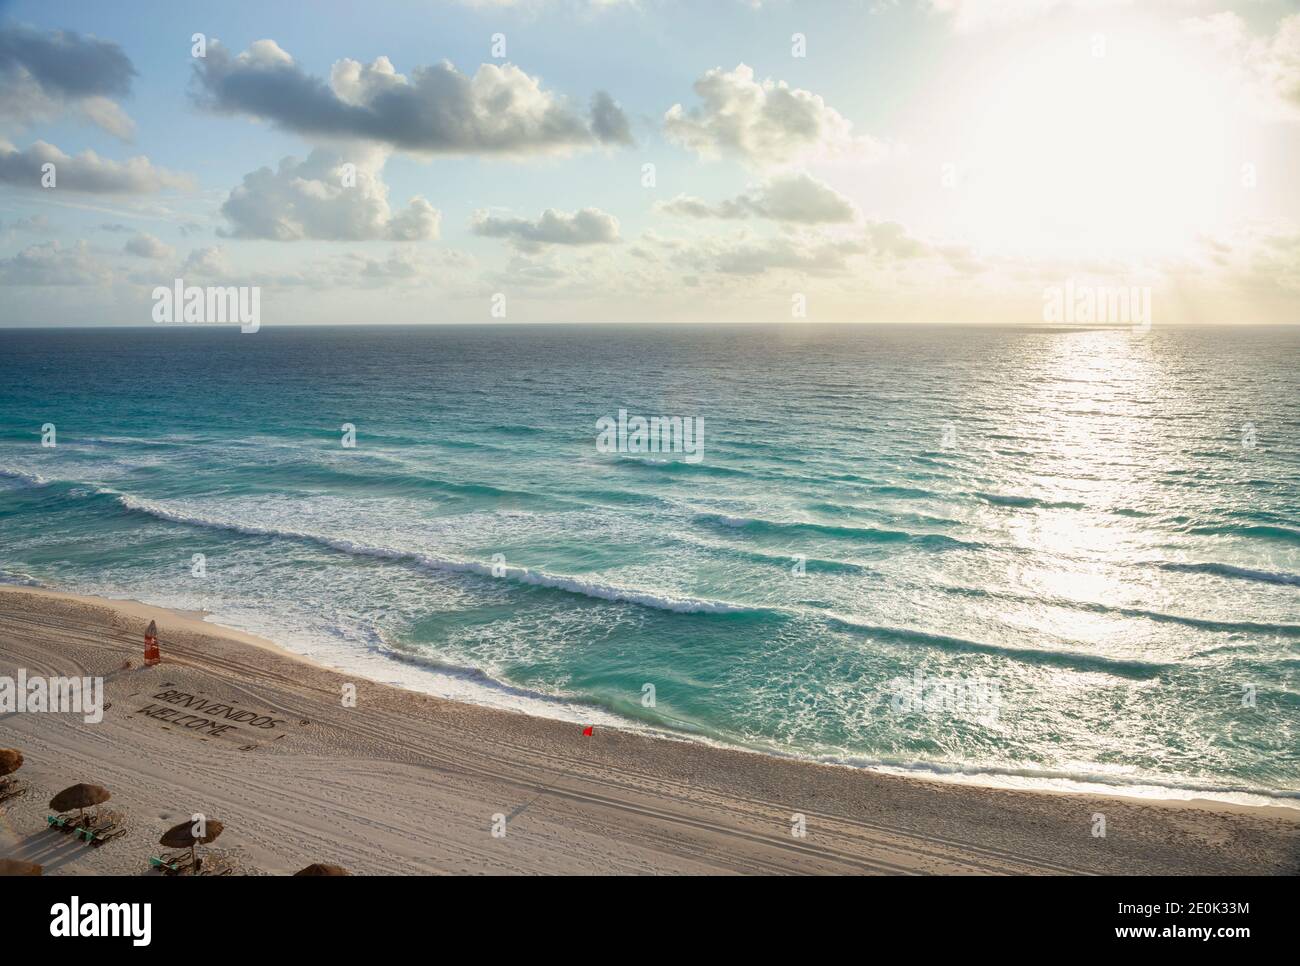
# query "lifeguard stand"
(152, 655)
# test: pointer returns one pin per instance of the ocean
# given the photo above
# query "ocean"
(1033, 556)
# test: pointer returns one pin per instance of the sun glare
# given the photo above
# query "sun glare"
(1098, 144)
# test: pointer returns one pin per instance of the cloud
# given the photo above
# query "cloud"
(437, 110)
(1268, 65)
(761, 123)
(890, 239)
(147, 246)
(86, 172)
(974, 14)
(1262, 260)
(521, 272)
(209, 262)
(590, 226)
(35, 224)
(808, 256)
(608, 122)
(796, 197)
(109, 116)
(403, 265)
(407, 264)
(806, 251)
(42, 75)
(52, 264)
(309, 199)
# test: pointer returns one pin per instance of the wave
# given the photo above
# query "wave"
(300, 474)
(1095, 607)
(574, 585)
(468, 444)
(1128, 511)
(1078, 660)
(673, 466)
(1263, 532)
(135, 442)
(1054, 777)
(1027, 502)
(515, 429)
(1228, 570)
(18, 577)
(864, 534)
(783, 560)
(906, 492)
(522, 575)
(620, 498)
(29, 479)
(308, 474)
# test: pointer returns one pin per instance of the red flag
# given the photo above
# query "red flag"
(587, 730)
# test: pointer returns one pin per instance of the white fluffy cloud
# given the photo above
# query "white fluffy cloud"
(500, 110)
(590, 226)
(761, 123)
(797, 197)
(319, 198)
(86, 172)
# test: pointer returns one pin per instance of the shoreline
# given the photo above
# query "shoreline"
(409, 783)
(474, 683)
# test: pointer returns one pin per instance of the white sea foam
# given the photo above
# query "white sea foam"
(523, 575)
(19, 476)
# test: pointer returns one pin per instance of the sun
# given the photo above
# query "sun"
(1115, 142)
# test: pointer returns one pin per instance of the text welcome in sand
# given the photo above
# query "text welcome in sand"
(210, 717)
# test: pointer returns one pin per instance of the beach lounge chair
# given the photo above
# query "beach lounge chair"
(11, 759)
(105, 828)
(170, 864)
(11, 789)
(64, 823)
(181, 864)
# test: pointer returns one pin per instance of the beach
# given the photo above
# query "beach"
(237, 729)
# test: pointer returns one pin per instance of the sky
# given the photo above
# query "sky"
(462, 161)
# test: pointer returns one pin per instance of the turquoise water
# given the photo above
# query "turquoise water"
(1103, 525)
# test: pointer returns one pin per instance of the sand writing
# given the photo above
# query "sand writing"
(210, 716)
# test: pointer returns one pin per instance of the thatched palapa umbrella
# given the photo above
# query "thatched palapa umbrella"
(182, 836)
(317, 868)
(11, 759)
(80, 797)
(18, 867)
